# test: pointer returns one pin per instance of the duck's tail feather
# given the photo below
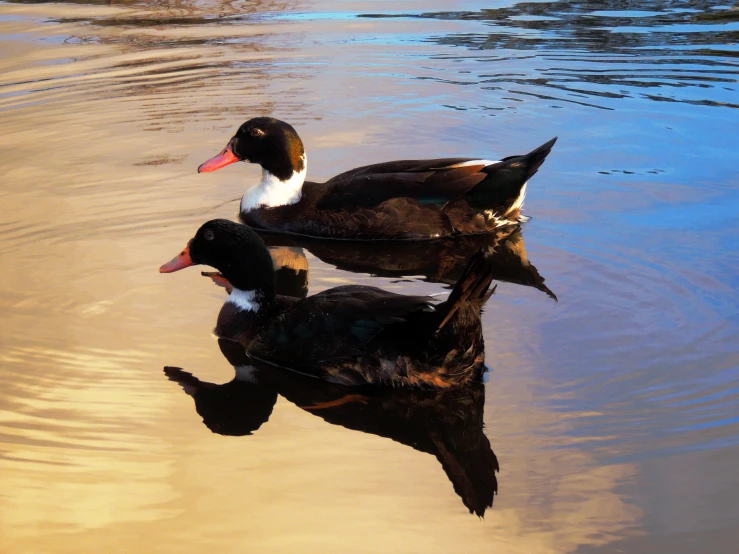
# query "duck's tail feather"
(532, 161)
(473, 287)
(503, 189)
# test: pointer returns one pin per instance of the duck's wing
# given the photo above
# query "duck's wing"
(486, 183)
(428, 181)
(329, 328)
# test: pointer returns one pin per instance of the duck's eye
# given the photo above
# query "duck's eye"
(255, 132)
(208, 234)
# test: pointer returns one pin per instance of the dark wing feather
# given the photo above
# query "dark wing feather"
(398, 166)
(333, 325)
(495, 186)
(428, 181)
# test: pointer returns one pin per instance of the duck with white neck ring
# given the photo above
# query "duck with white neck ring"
(399, 200)
(351, 335)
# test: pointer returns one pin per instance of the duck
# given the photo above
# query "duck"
(397, 200)
(352, 334)
(445, 423)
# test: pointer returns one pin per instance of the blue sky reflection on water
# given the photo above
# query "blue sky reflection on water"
(613, 412)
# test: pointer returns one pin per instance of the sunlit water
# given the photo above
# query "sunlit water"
(613, 413)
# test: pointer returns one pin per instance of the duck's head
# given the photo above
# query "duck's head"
(266, 141)
(233, 249)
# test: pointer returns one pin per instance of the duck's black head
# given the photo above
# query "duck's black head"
(266, 141)
(233, 249)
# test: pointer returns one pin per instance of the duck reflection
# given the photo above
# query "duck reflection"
(437, 261)
(445, 423)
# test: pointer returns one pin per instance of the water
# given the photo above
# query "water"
(613, 412)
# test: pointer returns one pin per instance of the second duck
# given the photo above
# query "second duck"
(399, 200)
(350, 335)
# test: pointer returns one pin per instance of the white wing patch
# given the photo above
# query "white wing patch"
(469, 163)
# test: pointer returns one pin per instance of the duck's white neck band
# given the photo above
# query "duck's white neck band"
(245, 300)
(272, 192)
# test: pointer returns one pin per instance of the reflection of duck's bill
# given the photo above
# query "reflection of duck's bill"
(218, 279)
(189, 383)
(181, 261)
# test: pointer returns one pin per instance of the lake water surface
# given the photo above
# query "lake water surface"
(613, 413)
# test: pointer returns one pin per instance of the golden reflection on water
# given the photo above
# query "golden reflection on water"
(98, 452)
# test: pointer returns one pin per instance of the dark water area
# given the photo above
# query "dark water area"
(612, 411)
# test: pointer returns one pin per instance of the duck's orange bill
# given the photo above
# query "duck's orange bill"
(181, 261)
(227, 157)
